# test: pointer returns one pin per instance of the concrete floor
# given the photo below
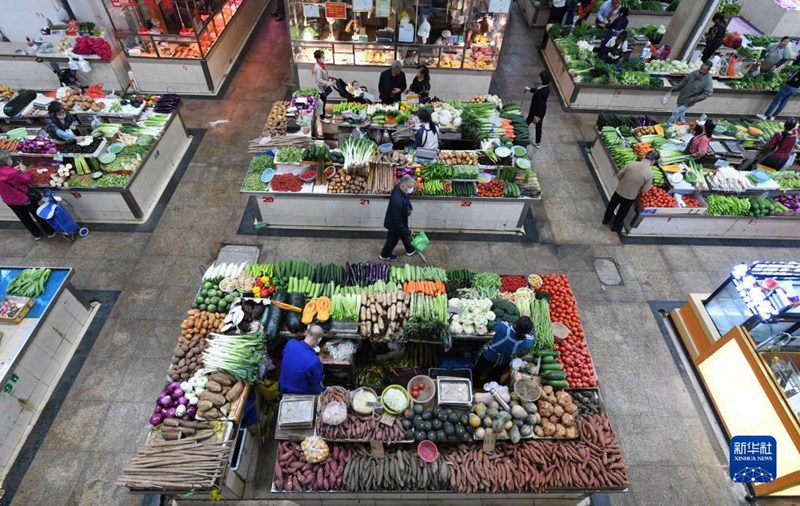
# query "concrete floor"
(662, 427)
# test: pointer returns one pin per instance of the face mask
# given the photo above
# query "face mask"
(410, 190)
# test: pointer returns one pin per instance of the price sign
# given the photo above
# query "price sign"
(362, 5)
(388, 419)
(377, 449)
(311, 10)
(489, 442)
(383, 8)
(336, 10)
(58, 157)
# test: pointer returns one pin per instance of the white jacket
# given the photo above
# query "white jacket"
(321, 77)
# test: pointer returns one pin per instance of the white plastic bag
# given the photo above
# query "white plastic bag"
(335, 413)
(665, 98)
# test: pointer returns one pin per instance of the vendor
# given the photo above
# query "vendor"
(427, 137)
(614, 49)
(392, 83)
(507, 343)
(779, 149)
(301, 369)
(607, 11)
(421, 84)
(698, 146)
(776, 55)
(60, 124)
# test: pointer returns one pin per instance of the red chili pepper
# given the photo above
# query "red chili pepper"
(286, 183)
(512, 283)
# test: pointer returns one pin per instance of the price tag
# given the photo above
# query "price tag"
(377, 449)
(311, 10)
(489, 442)
(388, 419)
(58, 157)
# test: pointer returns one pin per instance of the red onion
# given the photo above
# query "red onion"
(156, 419)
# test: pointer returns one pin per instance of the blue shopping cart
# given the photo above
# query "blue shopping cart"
(51, 210)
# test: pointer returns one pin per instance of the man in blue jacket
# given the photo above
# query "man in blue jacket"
(396, 220)
(301, 369)
(507, 343)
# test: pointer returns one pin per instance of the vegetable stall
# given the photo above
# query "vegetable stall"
(117, 170)
(646, 12)
(722, 195)
(585, 83)
(406, 417)
(42, 322)
(481, 180)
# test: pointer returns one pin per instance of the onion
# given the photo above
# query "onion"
(187, 417)
(177, 393)
(183, 401)
(173, 386)
(170, 413)
(165, 401)
(156, 419)
(191, 410)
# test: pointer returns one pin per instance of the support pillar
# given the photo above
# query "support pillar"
(688, 25)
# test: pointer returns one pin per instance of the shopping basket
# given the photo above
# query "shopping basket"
(51, 210)
(420, 241)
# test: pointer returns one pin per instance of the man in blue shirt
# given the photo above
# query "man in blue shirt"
(507, 343)
(301, 369)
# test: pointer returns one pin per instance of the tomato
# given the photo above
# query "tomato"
(421, 386)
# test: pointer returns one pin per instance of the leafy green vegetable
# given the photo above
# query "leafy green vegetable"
(487, 284)
(113, 181)
(252, 182)
(260, 163)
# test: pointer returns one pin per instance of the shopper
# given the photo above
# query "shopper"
(396, 220)
(507, 343)
(786, 92)
(558, 8)
(776, 55)
(16, 192)
(538, 106)
(301, 369)
(620, 23)
(635, 177)
(694, 88)
(324, 81)
(607, 11)
(615, 48)
(714, 36)
(421, 84)
(427, 137)
(392, 83)
(572, 12)
(698, 146)
(59, 124)
(584, 9)
(779, 149)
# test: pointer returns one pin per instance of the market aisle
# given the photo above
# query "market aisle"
(672, 459)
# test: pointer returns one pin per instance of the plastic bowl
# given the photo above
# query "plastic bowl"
(308, 179)
(427, 451)
(386, 148)
(527, 390)
(115, 148)
(107, 158)
(267, 175)
(403, 391)
(427, 393)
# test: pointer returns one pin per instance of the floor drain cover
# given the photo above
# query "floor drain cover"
(607, 271)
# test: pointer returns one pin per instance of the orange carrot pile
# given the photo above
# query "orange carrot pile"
(508, 128)
(426, 287)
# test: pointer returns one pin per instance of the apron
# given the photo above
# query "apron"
(503, 359)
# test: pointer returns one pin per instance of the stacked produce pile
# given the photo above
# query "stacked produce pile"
(356, 426)
(293, 471)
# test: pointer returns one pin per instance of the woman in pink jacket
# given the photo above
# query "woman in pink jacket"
(14, 192)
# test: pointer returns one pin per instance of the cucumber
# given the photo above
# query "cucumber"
(274, 322)
(19, 102)
(550, 367)
(547, 359)
(546, 353)
(554, 375)
(557, 383)
(293, 323)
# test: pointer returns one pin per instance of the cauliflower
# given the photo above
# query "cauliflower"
(455, 302)
(480, 321)
(468, 329)
(456, 328)
(481, 330)
(490, 316)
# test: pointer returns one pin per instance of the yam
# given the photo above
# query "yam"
(216, 399)
(204, 405)
(235, 391)
(213, 386)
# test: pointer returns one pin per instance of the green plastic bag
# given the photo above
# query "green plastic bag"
(420, 241)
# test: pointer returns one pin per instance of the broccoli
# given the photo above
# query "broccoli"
(504, 311)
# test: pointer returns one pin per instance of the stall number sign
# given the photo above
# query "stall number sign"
(753, 459)
(11, 385)
(335, 10)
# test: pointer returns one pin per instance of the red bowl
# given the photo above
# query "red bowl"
(427, 451)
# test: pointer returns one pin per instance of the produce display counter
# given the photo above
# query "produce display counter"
(745, 354)
(679, 221)
(543, 434)
(34, 352)
(187, 64)
(635, 99)
(21, 70)
(131, 203)
(536, 13)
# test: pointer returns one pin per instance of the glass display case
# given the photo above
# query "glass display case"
(169, 28)
(443, 34)
(763, 298)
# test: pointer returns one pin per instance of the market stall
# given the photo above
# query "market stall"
(117, 171)
(488, 188)
(585, 84)
(537, 12)
(721, 196)
(458, 42)
(183, 46)
(742, 341)
(42, 322)
(399, 390)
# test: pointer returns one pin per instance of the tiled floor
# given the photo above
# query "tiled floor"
(673, 461)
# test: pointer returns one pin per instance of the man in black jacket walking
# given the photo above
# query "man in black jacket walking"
(396, 220)
(539, 105)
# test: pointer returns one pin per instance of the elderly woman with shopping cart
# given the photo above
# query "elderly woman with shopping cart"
(16, 192)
